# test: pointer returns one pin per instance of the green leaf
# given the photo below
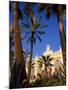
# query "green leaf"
(37, 25)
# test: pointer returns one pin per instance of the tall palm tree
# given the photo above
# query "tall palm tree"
(18, 74)
(59, 10)
(35, 27)
(47, 62)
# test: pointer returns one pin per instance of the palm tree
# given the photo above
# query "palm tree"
(18, 74)
(37, 66)
(34, 26)
(59, 10)
(47, 62)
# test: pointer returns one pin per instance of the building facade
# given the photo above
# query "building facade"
(51, 70)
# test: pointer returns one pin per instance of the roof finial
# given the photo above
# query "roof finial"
(48, 47)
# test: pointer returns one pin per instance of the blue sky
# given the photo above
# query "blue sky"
(50, 38)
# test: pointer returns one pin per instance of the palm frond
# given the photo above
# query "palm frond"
(43, 57)
(41, 32)
(43, 26)
(48, 57)
(34, 19)
(36, 22)
(32, 63)
(40, 58)
(27, 33)
(29, 39)
(47, 8)
(10, 6)
(26, 19)
(24, 37)
(20, 13)
(64, 9)
(48, 12)
(28, 11)
(41, 7)
(25, 25)
(39, 37)
(40, 61)
(37, 25)
(40, 18)
(49, 64)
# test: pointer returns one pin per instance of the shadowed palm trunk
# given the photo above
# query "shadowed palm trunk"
(18, 73)
(62, 40)
(30, 60)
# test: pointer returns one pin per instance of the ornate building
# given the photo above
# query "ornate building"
(38, 65)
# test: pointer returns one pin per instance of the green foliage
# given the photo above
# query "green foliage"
(52, 8)
(53, 81)
(34, 25)
(47, 60)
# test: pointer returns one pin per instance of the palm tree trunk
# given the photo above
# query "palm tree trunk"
(62, 40)
(45, 71)
(30, 60)
(17, 76)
